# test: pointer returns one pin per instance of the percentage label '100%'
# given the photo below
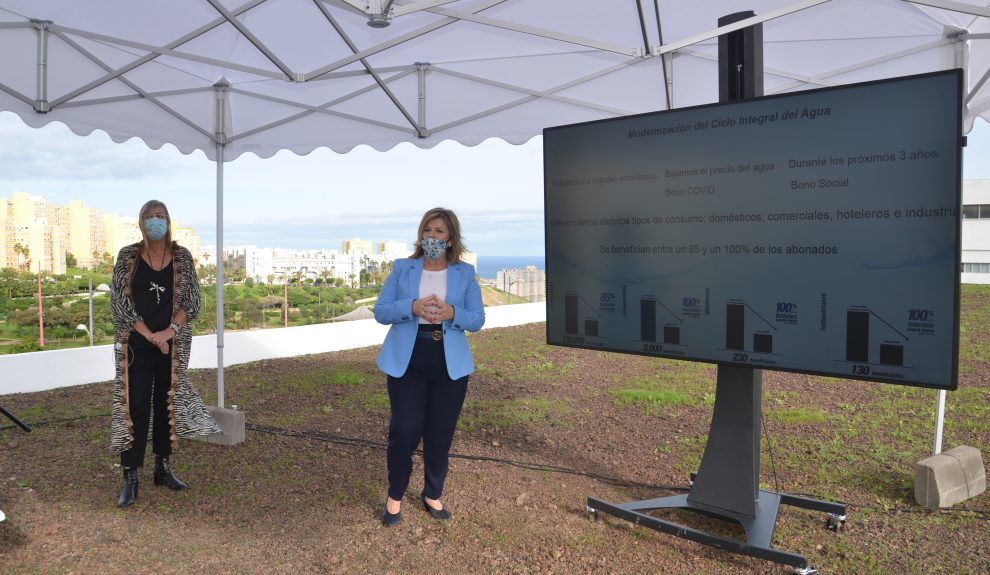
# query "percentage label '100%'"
(737, 248)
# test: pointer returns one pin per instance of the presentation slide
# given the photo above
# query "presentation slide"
(815, 232)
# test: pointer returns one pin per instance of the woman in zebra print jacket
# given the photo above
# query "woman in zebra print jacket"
(154, 297)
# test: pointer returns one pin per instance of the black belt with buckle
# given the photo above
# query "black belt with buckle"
(434, 334)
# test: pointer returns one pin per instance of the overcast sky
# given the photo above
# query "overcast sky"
(313, 201)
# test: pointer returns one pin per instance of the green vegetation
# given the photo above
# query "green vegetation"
(252, 305)
(674, 384)
(973, 323)
(493, 414)
(66, 305)
(651, 400)
(367, 401)
(798, 416)
(65, 301)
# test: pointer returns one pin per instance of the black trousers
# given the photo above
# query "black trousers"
(149, 381)
(425, 405)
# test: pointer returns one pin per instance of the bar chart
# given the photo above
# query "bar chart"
(890, 351)
(648, 307)
(736, 329)
(577, 313)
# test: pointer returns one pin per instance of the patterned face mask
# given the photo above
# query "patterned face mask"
(433, 248)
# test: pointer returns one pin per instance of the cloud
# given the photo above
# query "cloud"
(55, 154)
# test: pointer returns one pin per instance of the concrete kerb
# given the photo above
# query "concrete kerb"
(950, 477)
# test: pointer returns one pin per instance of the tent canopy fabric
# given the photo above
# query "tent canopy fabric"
(261, 76)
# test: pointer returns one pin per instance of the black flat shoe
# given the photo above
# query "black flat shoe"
(439, 515)
(390, 519)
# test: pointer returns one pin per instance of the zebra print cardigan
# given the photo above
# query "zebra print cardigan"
(188, 416)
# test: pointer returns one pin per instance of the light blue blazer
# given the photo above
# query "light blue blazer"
(394, 307)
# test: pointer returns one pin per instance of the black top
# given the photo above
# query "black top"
(152, 292)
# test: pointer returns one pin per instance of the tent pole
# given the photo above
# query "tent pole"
(219, 263)
(222, 129)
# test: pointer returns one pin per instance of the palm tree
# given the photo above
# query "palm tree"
(325, 276)
(25, 251)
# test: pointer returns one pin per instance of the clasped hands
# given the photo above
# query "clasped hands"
(161, 338)
(433, 309)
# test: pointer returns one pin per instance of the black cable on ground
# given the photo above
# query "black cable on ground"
(320, 436)
(54, 421)
(370, 444)
(773, 465)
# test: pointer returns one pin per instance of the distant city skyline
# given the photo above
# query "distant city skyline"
(315, 201)
(41, 234)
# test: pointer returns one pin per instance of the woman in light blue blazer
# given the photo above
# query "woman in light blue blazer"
(430, 300)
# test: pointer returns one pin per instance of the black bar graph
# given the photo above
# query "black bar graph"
(648, 319)
(672, 334)
(591, 327)
(891, 354)
(571, 313)
(762, 343)
(735, 324)
(858, 335)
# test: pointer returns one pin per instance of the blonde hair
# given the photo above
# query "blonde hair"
(455, 247)
(147, 207)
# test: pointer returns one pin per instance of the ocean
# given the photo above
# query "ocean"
(488, 266)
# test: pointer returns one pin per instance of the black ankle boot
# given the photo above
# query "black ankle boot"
(130, 491)
(164, 475)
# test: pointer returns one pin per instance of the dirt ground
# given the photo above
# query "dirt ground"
(543, 429)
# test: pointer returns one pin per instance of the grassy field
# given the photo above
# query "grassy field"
(543, 428)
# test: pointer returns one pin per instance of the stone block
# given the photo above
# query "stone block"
(231, 422)
(949, 477)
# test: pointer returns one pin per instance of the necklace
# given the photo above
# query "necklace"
(156, 288)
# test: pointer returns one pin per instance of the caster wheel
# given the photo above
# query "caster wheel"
(835, 522)
(806, 570)
(592, 514)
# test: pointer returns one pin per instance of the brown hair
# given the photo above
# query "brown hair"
(147, 207)
(455, 247)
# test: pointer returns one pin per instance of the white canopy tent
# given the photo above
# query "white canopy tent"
(302, 74)
(233, 76)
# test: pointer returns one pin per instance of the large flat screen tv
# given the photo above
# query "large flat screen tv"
(815, 232)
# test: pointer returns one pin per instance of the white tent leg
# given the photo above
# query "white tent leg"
(222, 127)
(219, 264)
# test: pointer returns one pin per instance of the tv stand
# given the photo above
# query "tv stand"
(727, 483)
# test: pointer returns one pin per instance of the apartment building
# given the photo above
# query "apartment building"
(48, 232)
(976, 232)
(527, 283)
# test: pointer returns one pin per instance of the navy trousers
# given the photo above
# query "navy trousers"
(149, 380)
(425, 405)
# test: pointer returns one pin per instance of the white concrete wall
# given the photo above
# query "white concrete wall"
(41, 370)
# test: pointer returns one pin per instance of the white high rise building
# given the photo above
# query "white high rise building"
(527, 283)
(976, 232)
(50, 231)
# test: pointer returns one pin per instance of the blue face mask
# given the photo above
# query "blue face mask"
(433, 248)
(156, 228)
